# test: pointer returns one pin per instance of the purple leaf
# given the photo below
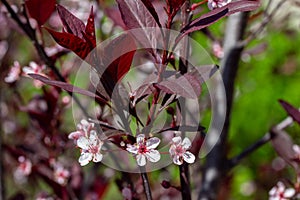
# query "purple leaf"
(152, 10)
(188, 86)
(213, 16)
(283, 145)
(68, 87)
(71, 23)
(291, 110)
(137, 16)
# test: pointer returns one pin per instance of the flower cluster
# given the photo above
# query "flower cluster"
(212, 4)
(87, 139)
(16, 71)
(144, 149)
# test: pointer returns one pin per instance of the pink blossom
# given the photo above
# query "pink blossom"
(14, 73)
(144, 148)
(212, 4)
(83, 129)
(178, 151)
(61, 175)
(23, 170)
(90, 148)
(217, 50)
(279, 192)
(34, 68)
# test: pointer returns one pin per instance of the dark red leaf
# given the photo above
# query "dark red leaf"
(175, 4)
(68, 87)
(291, 110)
(121, 65)
(188, 86)
(90, 29)
(216, 14)
(72, 42)
(40, 10)
(71, 23)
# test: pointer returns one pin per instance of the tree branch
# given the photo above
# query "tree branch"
(265, 139)
(214, 170)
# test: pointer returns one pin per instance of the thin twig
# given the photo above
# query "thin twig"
(266, 20)
(146, 183)
(265, 139)
(30, 32)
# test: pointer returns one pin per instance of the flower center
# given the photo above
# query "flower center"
(93, 149)
(179, 150)
(143, 148)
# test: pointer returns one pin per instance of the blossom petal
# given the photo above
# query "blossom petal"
(176, 140)
(152, 143)
(83, 143)
(85, 158)
(97, 157)
(153, 155)
(289, 192)
(186, 143)
(189, 157)
(172, 150)
(140, 138)
(177, 160)
(132, 149)
(141, 160)
(75, 135)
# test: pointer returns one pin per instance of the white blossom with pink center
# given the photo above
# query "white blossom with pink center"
(23, 170)
(14, 73)
(280, 192)
(212, 4)
(178, 151)
(34, 68)
(90, 148)
(61, 175)
(144, 149)
(83, 130)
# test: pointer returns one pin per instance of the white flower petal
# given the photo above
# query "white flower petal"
(273, 191)
(97, 157)
(132, 149)
(83, 143)
(177, 160)
(140, 138)
(176, 140)
(85, 158)
(289, 192)
(189, 157)
(153, 155)
(141, 160)
(186, 143)
(75, 135)
(172, 150)
(152, 143)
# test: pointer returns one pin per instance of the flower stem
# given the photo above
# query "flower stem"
(146, 183)
(184, 181)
